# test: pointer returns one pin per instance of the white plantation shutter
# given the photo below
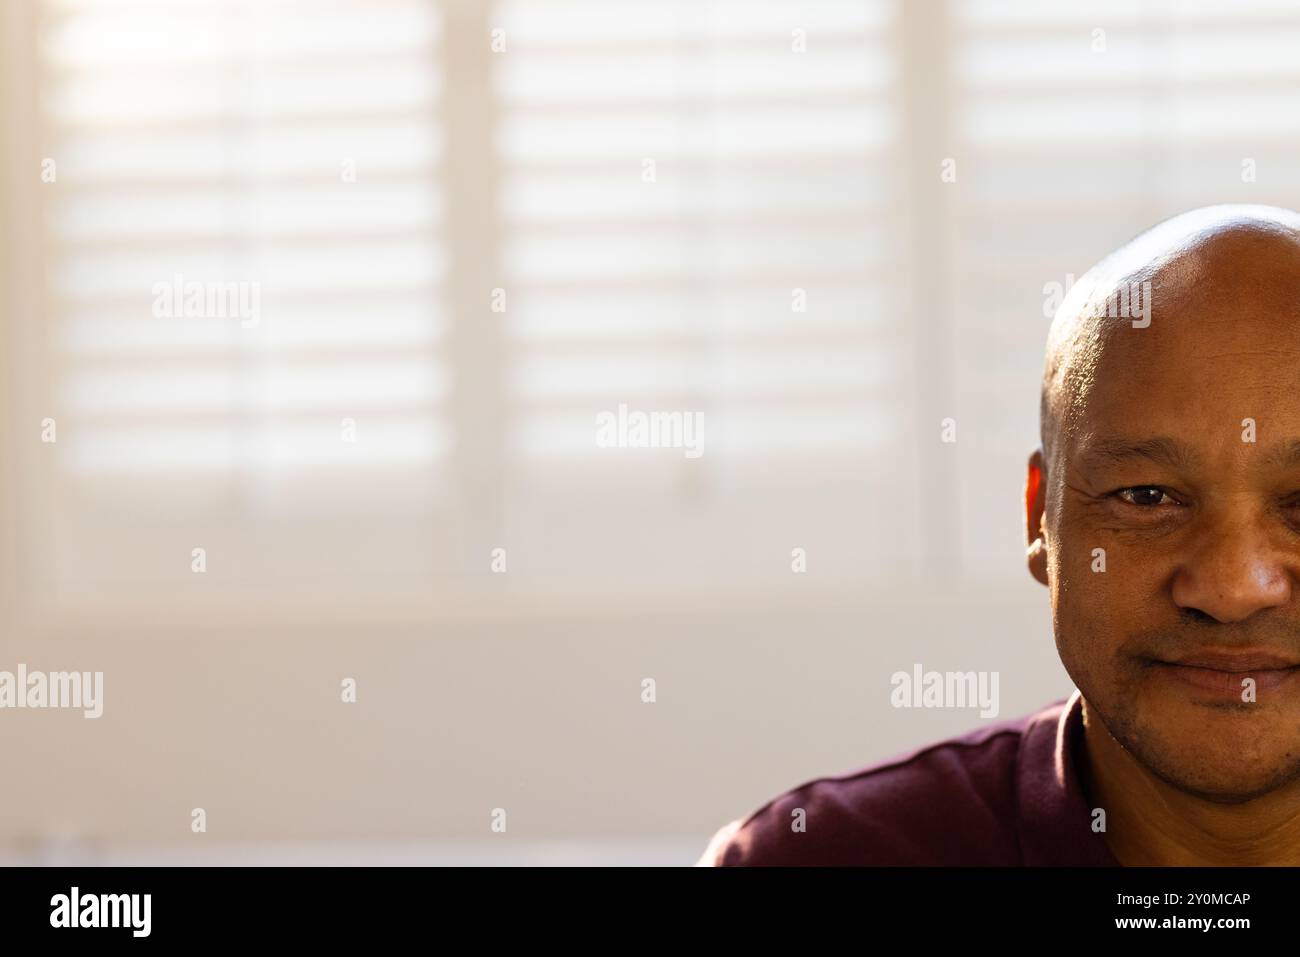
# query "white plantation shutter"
(294, 147)
(649, 188)
(684, 208)
(1077, 126)
(672, 177)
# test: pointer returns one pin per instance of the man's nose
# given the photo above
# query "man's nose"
(1235, 571)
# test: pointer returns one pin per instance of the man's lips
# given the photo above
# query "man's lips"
(1223, 672)
(1242, 661)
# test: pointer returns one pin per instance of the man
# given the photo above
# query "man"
(1163, 515)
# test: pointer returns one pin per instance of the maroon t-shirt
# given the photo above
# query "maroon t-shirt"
(1007, 794)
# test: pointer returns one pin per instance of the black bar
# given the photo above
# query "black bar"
(331, 906)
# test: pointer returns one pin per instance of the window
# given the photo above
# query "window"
(291, 156)
(467, 231)
(474, 231)
(698, 212)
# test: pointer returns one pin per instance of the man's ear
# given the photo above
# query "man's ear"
(1035, 503)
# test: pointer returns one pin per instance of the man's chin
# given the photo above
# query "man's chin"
(1224, 788)
(1223, 754)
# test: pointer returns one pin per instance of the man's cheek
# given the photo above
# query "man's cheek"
(1092, 620)
(1079, 563)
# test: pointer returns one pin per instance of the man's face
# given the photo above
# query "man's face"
(1187, 645)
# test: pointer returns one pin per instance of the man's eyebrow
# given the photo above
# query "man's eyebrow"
(1160, 449)
(1283, 455)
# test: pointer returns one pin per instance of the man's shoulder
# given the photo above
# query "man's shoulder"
(951, 802)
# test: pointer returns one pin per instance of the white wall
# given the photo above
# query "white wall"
(541, 716)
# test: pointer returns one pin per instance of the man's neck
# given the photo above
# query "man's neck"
(1149, 822)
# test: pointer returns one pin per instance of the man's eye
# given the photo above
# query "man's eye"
(1147, 496)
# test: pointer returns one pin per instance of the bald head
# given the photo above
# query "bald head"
(1188, 273)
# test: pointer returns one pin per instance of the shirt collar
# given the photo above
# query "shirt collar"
(1054, 819)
